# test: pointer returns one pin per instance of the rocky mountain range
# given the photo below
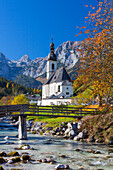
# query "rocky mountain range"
(66, 55)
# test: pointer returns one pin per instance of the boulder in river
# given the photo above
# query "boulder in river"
(1, 168)
(44, 160)
(79, 125)
(6, 138)
(72, 133)
(91, 139)
(111, 142)
(9, 143)
(72, 130)
(25, 157)
(14, 160)
(25, 147)
(3, 154)
(110, 151)
(76, 138)
(51, 161)
(2, 160)
(14, 153)
(61, 166)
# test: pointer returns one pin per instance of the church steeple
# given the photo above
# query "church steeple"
(52, 60)
(52, 56)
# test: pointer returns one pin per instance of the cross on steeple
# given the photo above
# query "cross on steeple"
(51, 38)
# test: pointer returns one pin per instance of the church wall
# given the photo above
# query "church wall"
(45, 102)
(63, 89)
(56, 89)
(45, 91)
(67, 90)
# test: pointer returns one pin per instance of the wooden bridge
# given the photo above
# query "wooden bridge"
(24, 110)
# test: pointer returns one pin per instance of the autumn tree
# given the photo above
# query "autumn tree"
(4, 100)
(77, 84)
(20, 99)
(97, 51)
(7, 85)
(34, 90)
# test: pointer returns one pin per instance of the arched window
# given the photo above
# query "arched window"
(58, 88)
(53, 66)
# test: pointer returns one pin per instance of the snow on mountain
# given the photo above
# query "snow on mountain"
(66, 55)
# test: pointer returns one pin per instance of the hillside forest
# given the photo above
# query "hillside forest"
(10, 89)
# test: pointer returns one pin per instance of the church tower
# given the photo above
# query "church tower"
(52, 61)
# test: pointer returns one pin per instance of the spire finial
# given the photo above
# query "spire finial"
(52, 39)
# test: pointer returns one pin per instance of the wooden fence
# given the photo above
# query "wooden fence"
(53, 111)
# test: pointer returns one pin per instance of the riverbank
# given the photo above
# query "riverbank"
(96, 128)
(47, 152)
(99, 126)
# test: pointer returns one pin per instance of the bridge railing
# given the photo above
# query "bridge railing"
(45, 110)
(58, 110)
(9, 109)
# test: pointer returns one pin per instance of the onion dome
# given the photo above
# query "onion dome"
(51, 55)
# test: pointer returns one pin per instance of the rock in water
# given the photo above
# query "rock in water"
(61, 166)
(25, 157)
(9, 143)
(3, 154)
(2, 160)
(1, 168)
(111, 142)
(6, 137)
(25, 147)
(14, 153)
(92, 139)
(79, 124)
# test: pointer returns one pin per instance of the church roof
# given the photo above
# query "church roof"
(52, 56)
(59, 75)
(53, 97)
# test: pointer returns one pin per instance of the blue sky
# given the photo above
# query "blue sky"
(26, 26)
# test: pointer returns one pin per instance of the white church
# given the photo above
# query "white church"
(58, 87)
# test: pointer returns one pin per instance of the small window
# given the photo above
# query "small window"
(67, 88)
(53, 66)
(58, 88)
(67, 93)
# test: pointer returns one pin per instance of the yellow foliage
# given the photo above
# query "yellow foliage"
(12, 85)
(20, 99)
(97, 58)
(7, 85)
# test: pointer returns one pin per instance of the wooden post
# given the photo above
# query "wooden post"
(66, 111)
(80, 111)
(52, 110)
(22, 129)
(95, 111)
(37, 109)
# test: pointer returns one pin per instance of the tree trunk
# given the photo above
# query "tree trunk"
(100, 100)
